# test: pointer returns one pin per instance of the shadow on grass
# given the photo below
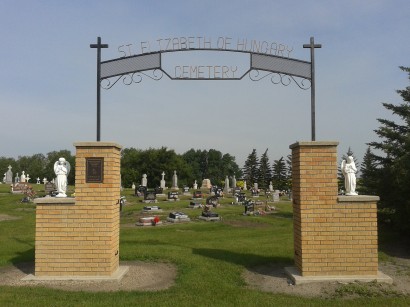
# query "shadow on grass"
(24, 260)
(393, 243)
(252, 262)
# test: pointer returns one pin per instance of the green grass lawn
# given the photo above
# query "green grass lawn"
(210, 257)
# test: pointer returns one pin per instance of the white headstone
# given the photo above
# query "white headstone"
(270, 186)
(244, 186)
(22, 177)
(206, 184)
(226, 188)
(144, 180)
(195, 186)
(133, 186)
(45, 180)
(175, 181)
(28, 178)
(9, 176)
(234, 182)
(38, 180)
(162, 183)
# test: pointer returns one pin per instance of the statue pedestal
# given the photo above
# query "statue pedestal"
(80, 237)
(333, 235)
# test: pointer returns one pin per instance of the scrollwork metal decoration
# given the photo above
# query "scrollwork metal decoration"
(278, 78)
(129, 79)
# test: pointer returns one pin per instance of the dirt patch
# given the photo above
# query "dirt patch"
(6, 217)
(141, 276)
(272, 278)
(145, 276)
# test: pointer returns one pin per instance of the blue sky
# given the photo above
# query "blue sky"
(48, 75)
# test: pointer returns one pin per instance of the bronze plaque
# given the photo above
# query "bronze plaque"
(94, 172)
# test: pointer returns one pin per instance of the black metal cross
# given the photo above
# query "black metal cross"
(312, 47)
(99, 46)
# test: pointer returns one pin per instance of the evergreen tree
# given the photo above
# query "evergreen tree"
(250, 169)
(394, 175)
(370, 174)
(289, 171)
(264, 171)
(279, 175)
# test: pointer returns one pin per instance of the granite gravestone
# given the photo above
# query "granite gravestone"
(9, 176)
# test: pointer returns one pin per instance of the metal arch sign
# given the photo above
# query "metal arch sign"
(122, 66)
(129, 67)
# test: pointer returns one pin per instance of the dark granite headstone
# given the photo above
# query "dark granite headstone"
(150, 196)
(197, 194)
(173, 195)
(212, 200)
(49, 188)
(140, 190)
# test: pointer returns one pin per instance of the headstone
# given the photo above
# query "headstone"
(159, 190)
(22, 177)
(150, 197)
(152, 209)
(249, 207)
(38, 180)
(178, 217)
(175, 181)
(185, 189)
(149, 221)
(195, 186)
(144, 180)
(9, 176)
(208, 215)
(162, 184)
(219, 192)
(19, 188)
(195, 204)
(49, 188)
(28, 178)
(212, 201)
(233, 182)
(255, 186)
(276, 196)
(173, 196)
(17, 178)
(270, 186)
(198, 194)
(244, 186)
(240, 197)
(226, 188)
(206, 184)
(140, 191)
(133, 186)
(44, 180)
(254, 192)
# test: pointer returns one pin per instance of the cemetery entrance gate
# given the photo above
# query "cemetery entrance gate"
(131, 69)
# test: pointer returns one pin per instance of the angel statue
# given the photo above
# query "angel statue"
(61, 169)
(349, 171)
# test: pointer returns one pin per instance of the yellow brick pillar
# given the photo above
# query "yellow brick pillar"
(80, 237)
(333, 235)
(314, 188)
